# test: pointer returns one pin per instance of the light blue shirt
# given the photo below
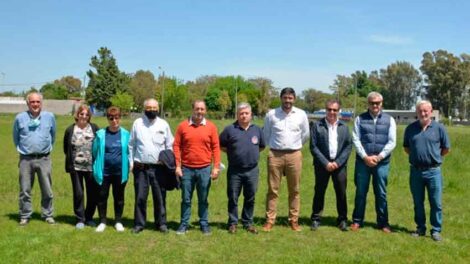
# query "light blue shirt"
(34, 135)
(148, 139)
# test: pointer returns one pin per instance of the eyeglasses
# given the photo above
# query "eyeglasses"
(112, 118)
(332, 110)
(375, 103)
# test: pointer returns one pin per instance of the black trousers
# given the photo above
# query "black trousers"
(84, 214)
(118, 196)
(145, 177)
(339, 178)
(238, 179)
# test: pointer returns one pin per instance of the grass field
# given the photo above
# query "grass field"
(62, 243)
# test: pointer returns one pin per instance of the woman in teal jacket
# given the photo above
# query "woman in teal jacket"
(111, 166)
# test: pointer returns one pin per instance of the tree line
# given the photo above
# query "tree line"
(442, 78)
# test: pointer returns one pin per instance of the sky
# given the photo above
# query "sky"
(301, 44)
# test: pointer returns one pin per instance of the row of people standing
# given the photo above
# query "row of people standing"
(197, 155)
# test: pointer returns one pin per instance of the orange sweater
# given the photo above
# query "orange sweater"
(196, 146)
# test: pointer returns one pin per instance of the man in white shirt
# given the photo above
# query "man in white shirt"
(374, 136)
(149, 135)
(286, 129)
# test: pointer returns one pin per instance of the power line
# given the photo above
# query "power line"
(24, 84)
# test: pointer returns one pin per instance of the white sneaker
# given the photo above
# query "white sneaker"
(119, 227)
(101, 227)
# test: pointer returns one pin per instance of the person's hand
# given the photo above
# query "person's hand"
(334, 165)
(215, 173)
(371, 161)
(179, 172)
(329, 167)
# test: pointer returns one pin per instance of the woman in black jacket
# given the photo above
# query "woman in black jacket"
(78, 141)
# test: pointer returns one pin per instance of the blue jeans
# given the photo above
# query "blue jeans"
(362, 175)
(430, 179)
(238, 179)
(201, 179)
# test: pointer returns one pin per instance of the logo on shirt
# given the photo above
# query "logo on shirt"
(254, 140)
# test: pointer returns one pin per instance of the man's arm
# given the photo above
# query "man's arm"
(305, 128)
(346, 148)
(53, 129)
(215, 153)
(392, 140)
(356, 137)
(316, 153)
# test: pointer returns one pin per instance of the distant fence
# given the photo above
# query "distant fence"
(58, 107)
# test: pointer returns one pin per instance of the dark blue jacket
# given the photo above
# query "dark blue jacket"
(319, 146)
(374, 137)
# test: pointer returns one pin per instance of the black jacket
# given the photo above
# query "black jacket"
(68, 148)
(319, 146)
(167, 177)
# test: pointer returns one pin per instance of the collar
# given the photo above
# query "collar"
(235, 124)
(190, 121)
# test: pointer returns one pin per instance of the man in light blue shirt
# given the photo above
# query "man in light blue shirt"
(149, 136)
(34, 135)
(374, 136)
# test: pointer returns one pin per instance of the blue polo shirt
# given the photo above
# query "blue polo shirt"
(425, 146)
(242, 145)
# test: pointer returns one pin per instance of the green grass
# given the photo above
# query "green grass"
(61, 243)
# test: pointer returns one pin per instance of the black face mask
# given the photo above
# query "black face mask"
(152, 114)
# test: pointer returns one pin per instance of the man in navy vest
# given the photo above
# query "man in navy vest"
(374, 136)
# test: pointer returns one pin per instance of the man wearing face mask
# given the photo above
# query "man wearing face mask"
(149, 136)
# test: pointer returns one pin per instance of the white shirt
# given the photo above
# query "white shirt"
(388, 148)
(148, 139)
(286, 131)
(332, 138)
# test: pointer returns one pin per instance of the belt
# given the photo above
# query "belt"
(285, 150)
(425, 167)
(36, 155)
(144, 166)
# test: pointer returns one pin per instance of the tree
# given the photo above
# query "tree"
(315, 99)
(401, 85)
(446, 78)
(106, 80)
(73, 85)
(54, 91)
(123, 100)
(142, 86)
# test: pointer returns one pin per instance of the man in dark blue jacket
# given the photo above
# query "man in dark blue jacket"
(330, 145)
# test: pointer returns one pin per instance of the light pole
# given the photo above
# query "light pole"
(163, 90)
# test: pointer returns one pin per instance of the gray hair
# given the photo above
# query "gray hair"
(243, 105)
(31, 93)
(423, 102)
(374, 95)
(148, 100)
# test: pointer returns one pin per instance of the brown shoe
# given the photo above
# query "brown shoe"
(386, 230)
(252, 229)
(294, 225)
(232, 229)
(355, 227)
(267, 227)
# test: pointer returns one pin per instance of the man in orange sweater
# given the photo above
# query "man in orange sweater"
(196, 148)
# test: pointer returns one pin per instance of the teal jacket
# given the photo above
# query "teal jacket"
(98, 155)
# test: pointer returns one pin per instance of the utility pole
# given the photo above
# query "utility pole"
(163, 91)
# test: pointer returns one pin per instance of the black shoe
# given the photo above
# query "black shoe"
(206, 230)
(137, 229)
(418, 233)
(163, 229)
(343, 226)
(315, 225)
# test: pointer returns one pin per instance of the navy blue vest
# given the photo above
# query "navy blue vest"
(374, 137)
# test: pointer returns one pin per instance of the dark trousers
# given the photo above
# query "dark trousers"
(118, 196)
(339, 177)
(143, 179)
(238, 179)
(82, 213)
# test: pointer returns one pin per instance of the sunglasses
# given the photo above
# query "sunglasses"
(375, 103)
(112, 118)
(332, 110)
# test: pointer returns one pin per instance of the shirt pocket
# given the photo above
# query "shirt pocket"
(158, 138)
